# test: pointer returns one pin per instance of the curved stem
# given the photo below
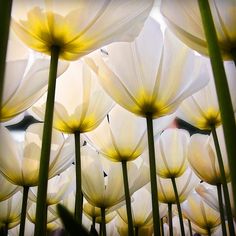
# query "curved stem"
(127, 198)
(181, 222)
(190, 228)
(23, 210)
(136, 230)
(103, 214)
(41, 213)
(78, 194)
(170, 219)
(5, 18)
(222, 89)
(153, 177)
(221, 207)
(224, 183)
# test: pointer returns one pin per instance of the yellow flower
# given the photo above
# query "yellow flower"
(77, 27)
(80, 102)
(203, 160)
(146, 76)
(184, 18)
(171, 153)
(201, 109)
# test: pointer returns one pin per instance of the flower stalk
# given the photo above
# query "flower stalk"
(178, 207)
(224, 183)
(170, 219)
(103, 214)
(41, 209)
(190, 228)
(23, 210)
(153, 177)
(221, 206)
(5, 18)
(136, 230)
(127, 198)
(78, 194)
(222, 89)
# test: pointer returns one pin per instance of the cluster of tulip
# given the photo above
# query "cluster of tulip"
(105, 80)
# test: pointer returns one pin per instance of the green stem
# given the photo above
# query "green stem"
(78, 194)
(190, 228)
(23, 210)
(100, 229)
(170, 219)
(127, 198)
(94, 221)
(224, 183)
(153, 177)
(181, 222)
(41, 213)
(136, 230)
(162, 227)
(103, 214)
(209, 232)
(222, 89)
(233, 52)
(221, 207)
(5, 18)
(6, 229)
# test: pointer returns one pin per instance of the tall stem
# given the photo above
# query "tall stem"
(181, 222)
(78, 194)
(190, 228)
(233, 52)
(162, 227)
(209, 232)
(136, 230)
(127, 198)
(170, 219)
(5, 18)
(41, 213)
(23, 210)
(221, 206)
(224, 182)
(222, 89)
(153, 177)
(103, 214)
(94, 221)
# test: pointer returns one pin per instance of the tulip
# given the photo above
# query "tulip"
(71, 31)
(218, 44)
(29, 229)
(7, 189)
(171, 156)
(200, 214)
(206, 166)
(25, 171)
(100, 192)
(149, 90)
(168, 192)
(79, 115)
(121, 137)
(10, 211)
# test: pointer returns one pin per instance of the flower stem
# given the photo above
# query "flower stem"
(170, 219)
(190, 228)
(23, 210)
(103, 214)
(162, 227)
(233, 52)
(94, 221)
(221, 206)
(41, 213)
(153, 177)
(181, 222)
(209, 232)
(5, 18)
(136, 230)
(78, 194)
(224, 182)
(127, 198)
(222, 89)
